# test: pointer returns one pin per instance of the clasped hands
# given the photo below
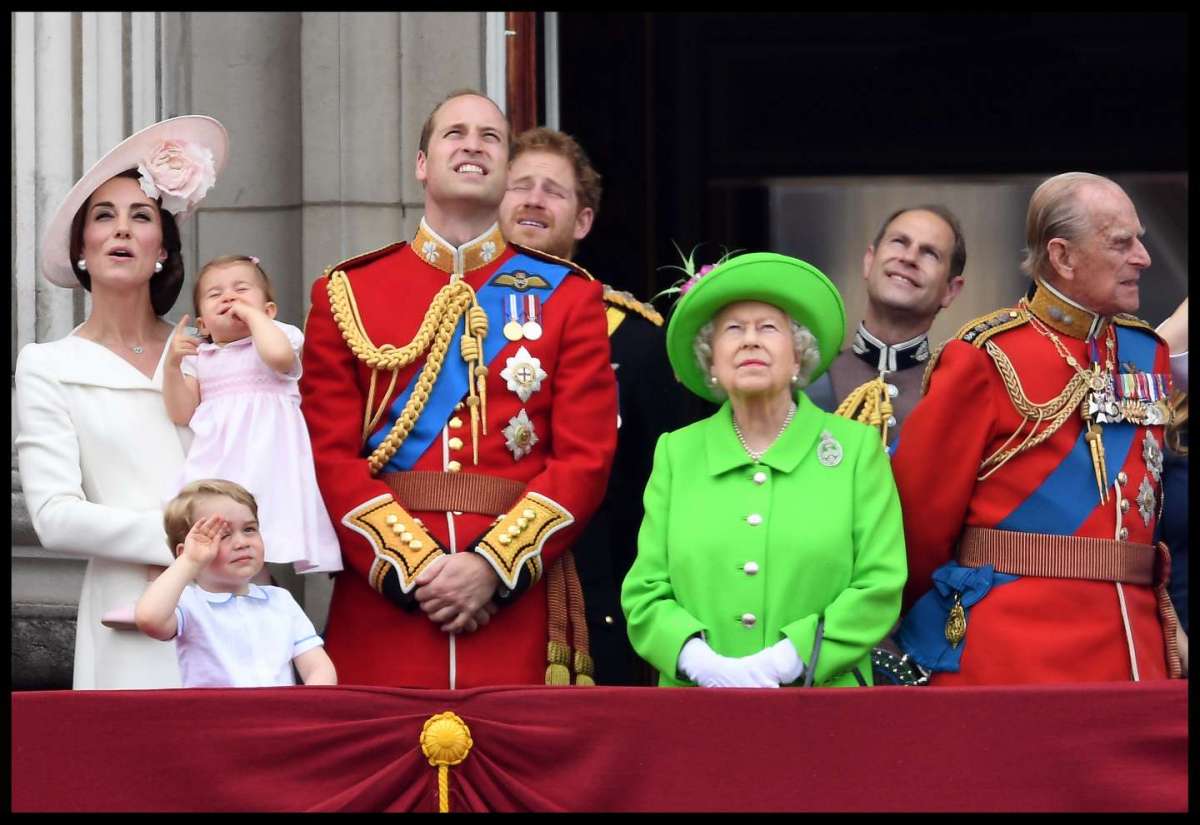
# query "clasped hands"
(770, 667)
(456, 590)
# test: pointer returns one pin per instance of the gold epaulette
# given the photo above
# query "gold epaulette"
(977, 332)
(626, 301)
(365, 257)
(554, 259)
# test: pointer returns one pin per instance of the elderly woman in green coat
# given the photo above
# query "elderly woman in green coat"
(772, 549)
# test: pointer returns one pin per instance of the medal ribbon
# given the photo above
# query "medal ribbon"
(1067, 497)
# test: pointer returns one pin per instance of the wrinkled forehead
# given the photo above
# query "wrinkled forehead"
(471, 110)
(540, 163)
(1109, 209)
(922, 225)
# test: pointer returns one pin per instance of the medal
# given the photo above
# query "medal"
(519, 436)
(531, 328)
(512, 326)
(523, 374)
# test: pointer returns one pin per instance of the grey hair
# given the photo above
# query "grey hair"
(1055, 211)
(804, 347)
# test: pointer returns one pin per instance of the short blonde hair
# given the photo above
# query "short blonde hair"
(1056, 211)
(178, 517)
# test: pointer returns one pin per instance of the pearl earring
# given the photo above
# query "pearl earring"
(712, 380)
(81, 265)
(157, 266)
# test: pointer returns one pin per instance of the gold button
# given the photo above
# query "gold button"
(1122, 478)
(455, 443)
(414, 545)
(406, 537)
(453, 466)
(527, 513)
(397, 529)
(392, 519)
(505, 538)
(1124, 505)
(458, 406)
(522, 521)
(455, 423)
(1124, 534)
(418, 522)
(514, 530)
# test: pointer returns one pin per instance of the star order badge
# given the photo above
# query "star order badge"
(1152, 454)
(1146, 501)
(519, 436)
(524, 374)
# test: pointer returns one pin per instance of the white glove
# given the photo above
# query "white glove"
(707, 668)
(779, 661)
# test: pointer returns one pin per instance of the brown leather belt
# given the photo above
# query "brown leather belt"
(1058, 557)
(1077, 557)
(421, 490)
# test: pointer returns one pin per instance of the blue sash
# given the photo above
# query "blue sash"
(451, 383)
(922, 632)
(1068, 495)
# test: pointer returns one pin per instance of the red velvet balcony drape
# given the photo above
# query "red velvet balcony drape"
(1111, 747)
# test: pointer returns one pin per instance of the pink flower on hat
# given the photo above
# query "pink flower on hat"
(178, 171)
(691, 282)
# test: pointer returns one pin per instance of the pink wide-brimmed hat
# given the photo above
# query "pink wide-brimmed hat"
(177, 159)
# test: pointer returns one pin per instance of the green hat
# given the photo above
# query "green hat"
(794, 286)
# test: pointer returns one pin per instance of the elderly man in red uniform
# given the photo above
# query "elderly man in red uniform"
(463, 418)
(1031, 472)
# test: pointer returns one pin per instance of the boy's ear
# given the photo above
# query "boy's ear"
(178, 549)
(271, 310)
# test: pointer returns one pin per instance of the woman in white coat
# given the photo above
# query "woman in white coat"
(95, 445)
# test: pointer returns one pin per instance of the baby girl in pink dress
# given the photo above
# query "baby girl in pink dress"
(239, 394)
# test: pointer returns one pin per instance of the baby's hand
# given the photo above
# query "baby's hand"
(181, 343)
(245, 312)
(200, 546)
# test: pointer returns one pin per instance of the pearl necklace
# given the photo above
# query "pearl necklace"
(755, 456)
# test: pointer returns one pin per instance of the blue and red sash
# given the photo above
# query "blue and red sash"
(1067, 497)
(451, 383)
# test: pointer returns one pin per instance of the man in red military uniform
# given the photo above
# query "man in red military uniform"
(463, 418)
(1031, 472)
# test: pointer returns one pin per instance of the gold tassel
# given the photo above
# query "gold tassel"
(445, 741)
(1096, 445)
(559, 657)
(870, 404)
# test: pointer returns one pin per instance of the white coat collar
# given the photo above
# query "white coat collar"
(92, 364)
